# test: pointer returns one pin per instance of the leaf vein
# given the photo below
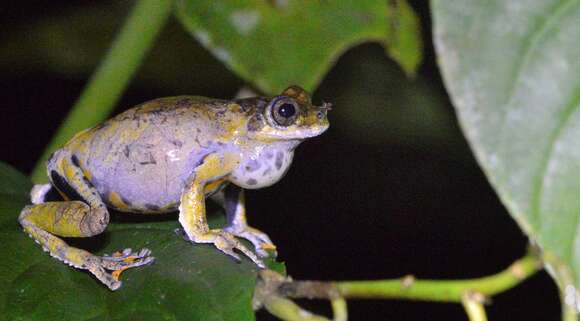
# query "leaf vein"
(540, 179)
(531, 45)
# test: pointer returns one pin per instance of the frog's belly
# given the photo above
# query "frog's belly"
(149, 185)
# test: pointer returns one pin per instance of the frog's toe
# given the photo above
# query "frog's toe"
(127, 258)
(122, 260)
(108, 279)
(262, 243)
(227, 245)
(226, 242)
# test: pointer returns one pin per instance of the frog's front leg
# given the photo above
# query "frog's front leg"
(192, 214)
(234, 203)
(79, 218)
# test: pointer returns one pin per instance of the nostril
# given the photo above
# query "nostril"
(326, 106)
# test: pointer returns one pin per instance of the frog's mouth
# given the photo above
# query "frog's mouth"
(293, 132)
(313, 131)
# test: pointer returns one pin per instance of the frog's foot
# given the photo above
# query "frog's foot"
(38, 193)
(227, 243)
(260, 240)
(117, 263)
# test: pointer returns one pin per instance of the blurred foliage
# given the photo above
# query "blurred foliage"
(186, 281)
(376, 103)
(14, 189)
(73, 42)
(512, 69)
(273, 44)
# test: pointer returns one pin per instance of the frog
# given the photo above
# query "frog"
(165, 155)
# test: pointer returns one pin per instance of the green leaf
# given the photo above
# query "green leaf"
(276, 43)
(186, 282)
(14, 188)
(512, 69)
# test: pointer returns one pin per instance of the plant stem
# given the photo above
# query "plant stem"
(441, 290)
(413, 289)
(273, 290)
(112, 76)
(473, 305)
(339, 309)
(287, 310)
(266, 295)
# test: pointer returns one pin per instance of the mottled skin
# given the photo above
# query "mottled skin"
(169, 154)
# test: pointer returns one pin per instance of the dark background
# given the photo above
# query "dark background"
(391, 189)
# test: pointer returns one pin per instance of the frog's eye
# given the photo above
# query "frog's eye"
(284, 111)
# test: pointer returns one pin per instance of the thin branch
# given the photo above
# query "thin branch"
(339, 309)
(441, 290)
(286, 310)
(273, 291)
(266, 295)
(413, 289)
(473, 305)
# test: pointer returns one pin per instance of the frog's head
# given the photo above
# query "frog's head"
(289, 116)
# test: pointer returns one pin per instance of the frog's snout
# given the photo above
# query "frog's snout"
(325, 106)
(322, 111)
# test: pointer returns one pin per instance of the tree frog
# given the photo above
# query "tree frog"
(170, 154)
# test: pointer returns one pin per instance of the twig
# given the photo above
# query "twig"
(441, 290)
(273, 291)
(266, 295)
(339, 309)
(473, 305)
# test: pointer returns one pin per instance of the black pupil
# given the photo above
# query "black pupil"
(287, 110)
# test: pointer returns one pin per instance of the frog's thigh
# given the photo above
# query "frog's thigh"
(58, 218)
(71, 219)
(68, 219)
(39, 192)
(86, 216)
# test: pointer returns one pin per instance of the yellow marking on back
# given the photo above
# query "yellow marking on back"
(121, 137)
(235, 125)
(77, 143)
(82, 135)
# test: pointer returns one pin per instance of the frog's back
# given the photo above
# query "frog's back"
(140, 159)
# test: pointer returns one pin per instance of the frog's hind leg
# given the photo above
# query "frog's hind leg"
(39, 193)
(233, 201)
(85, 217)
